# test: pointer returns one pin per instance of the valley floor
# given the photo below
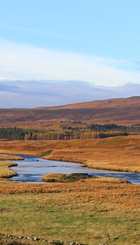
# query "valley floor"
(91, 211)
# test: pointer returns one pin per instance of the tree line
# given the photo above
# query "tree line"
(66, 132)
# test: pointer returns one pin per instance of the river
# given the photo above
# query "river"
(32, 168)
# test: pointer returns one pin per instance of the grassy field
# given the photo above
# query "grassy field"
(115, 153)
(69, 217)
(90, 211)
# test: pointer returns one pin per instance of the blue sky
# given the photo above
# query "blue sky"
(55, 52)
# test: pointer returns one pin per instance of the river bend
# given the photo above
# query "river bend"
(32, 168)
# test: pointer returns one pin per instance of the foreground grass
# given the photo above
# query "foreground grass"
(90, 211)
(69, 216)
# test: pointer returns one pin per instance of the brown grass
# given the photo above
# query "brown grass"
(52, 177)
(118, 152)
(114, 153)
(8, 157)
(107, 193)
(5, 171)
(102, 189)
(70, 216)
(57, 177)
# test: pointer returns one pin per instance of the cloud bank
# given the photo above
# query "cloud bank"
(30, 94)
(32, 77)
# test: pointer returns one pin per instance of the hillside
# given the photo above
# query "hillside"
(124, 111)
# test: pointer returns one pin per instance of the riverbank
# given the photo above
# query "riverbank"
(34, 169)
(5, 171)
(114, 153)
(90, 211)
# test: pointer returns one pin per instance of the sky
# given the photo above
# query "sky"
(55, 52)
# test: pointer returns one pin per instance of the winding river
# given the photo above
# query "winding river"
(32, 168)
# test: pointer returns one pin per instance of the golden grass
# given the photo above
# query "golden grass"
(114, 153)
(118, 153)
(122, 153)
(93, 211)
(52, 177)
(8, 157)
(57, 177)
(5, 171)
(100, 189)
(110, 166)
(84, 216)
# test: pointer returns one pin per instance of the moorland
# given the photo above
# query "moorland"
(90, 211)
(123, 111)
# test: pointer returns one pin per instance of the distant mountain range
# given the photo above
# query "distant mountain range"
(124, 111)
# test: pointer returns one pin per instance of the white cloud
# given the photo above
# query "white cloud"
(24, 62)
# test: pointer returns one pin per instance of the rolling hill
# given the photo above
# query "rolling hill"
(124, 111)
